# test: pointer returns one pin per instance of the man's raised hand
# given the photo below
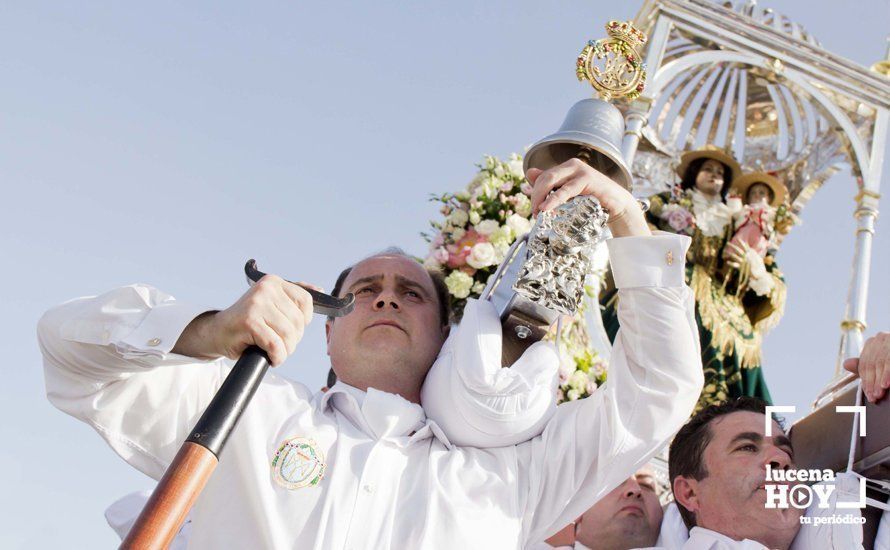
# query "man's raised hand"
(873, 366)
(272, 315)
(555, 186)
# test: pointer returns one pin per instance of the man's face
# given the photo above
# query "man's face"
(731, 499)
(709, 179)
(628, 517)
(395, 329)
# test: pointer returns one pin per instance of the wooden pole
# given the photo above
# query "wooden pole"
(185, 478)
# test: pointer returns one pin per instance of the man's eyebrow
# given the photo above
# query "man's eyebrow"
(645, 478)
(364, 280)
(783, 441)
(747, 436)
(405, 281)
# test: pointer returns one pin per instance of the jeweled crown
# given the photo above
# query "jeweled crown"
(624, 30)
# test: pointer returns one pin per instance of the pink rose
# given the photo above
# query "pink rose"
(440, 255)
(680, 219)
(458, 252)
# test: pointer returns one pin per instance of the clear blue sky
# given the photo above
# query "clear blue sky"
(167, 142)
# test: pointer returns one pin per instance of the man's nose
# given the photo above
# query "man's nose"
(631, 489)
(777, 458)
(387, 299)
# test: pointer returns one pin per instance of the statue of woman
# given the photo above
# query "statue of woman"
(731, 316)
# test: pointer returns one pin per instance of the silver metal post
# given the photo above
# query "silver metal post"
(636, 116)
(853, 325)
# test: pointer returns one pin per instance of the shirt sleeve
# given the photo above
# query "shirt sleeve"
(107, 361)
(475, 401)
(654, 380)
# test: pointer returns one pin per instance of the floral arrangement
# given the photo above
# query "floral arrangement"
(581, 370)
(480, 224)
(688, 210)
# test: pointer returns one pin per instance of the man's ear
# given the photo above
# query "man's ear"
(328, 326)
(686, 493)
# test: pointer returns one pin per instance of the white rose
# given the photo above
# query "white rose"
(487, 227)
(503, 235)
(458, 234)
(492, 187)
(519, 225)
(515, 166)
(474, 217)
(573, 395)
(458, 218)
(500, 251)
(478, 288)
(578, 380)
(499, 171)
(482, 255)
(523, 205)
(459, 284)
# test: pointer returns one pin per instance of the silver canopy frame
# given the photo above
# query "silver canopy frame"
(750, 80)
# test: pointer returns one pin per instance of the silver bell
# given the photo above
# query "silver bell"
(593, 125)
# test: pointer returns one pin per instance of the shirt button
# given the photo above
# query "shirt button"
(369, 488)
(154, 342)
(669, 257)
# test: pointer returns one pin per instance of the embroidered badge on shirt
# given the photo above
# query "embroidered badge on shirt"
(297, 463)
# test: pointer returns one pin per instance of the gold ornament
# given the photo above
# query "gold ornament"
(613, 65)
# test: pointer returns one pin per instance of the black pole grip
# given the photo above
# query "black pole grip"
(223, 413)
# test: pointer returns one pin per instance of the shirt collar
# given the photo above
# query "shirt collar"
(700, 198)
(381, 414)
(699, 534)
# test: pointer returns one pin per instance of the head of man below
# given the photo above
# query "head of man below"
(399, 324)
(718, 466)
(627, 517)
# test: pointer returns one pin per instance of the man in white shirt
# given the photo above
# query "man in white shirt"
(718, 464)
(360, 466)
(628, 517)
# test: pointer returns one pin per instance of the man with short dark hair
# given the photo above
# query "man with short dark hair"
(716, 469)
(361, 466)
(718, 463)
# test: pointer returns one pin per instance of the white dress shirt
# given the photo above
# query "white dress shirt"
(391, 480)
(826, 536)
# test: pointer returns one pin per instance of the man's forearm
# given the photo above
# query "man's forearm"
(629, 223)
(195, 339)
